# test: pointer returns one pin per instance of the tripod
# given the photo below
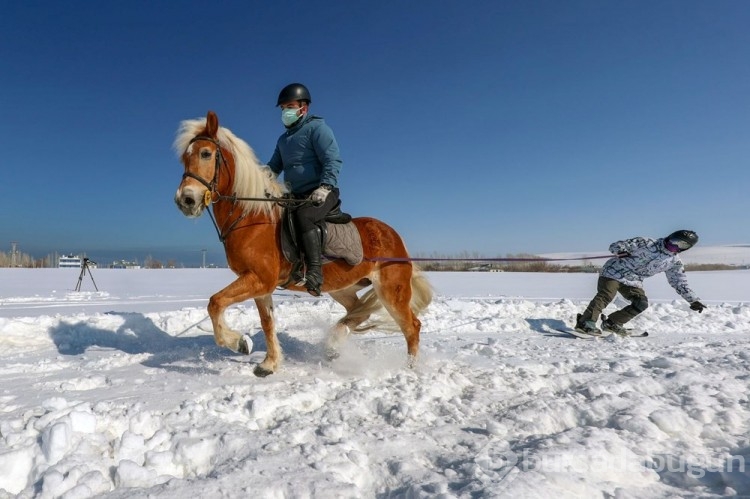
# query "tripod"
(84, 267)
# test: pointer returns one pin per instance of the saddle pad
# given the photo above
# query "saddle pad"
(343, 241)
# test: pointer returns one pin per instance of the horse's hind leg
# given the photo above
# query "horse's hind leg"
(349, 300)
(394, 289)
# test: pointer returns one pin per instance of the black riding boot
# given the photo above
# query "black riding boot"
(314, 275)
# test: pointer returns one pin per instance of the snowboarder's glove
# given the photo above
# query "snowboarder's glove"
(623, 254)
(697, 306)
(320, 194)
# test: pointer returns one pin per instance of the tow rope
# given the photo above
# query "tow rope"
(508, 259)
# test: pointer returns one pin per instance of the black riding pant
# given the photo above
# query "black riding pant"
(307, 216)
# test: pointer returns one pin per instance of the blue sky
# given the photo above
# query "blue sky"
(481, 128)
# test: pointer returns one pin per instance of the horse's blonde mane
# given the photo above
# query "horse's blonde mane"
(251, 178)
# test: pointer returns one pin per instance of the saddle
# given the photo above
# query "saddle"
(340, 238)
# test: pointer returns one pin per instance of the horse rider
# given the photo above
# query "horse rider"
(308, 155)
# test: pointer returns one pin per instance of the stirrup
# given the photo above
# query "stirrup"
(300, 279)
(297, 275)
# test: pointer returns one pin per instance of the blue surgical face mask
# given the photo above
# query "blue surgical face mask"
(289, 116)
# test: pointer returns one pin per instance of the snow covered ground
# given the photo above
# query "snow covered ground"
(121, 392)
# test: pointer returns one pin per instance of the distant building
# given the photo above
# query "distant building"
(74, 262)
(124, 264)
(69, 261)
(483, 268)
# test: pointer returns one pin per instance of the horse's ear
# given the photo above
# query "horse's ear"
(212, 124)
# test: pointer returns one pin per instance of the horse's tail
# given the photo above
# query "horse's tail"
(421, 291)
(369, 303)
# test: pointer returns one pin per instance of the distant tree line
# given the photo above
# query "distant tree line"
(698, 267)
(20, 259)
(152, 263)
(477, 263)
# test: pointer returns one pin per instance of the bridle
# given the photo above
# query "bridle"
(212, 196)
(209, 195)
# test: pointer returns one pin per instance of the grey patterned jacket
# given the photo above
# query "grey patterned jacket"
(647, 257)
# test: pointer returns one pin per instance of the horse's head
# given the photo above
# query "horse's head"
(203, 160)
(219, 165)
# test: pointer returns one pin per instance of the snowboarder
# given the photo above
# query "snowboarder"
(636, 259)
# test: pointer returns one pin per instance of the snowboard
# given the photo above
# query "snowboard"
(577, 334)
(629, 332)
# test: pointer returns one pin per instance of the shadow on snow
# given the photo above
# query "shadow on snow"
(139, 335)
(549, 327)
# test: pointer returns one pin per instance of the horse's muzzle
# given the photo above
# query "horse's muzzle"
(189, 202)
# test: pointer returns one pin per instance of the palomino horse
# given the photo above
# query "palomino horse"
(223, 172)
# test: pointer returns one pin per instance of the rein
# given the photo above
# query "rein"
(212, 196)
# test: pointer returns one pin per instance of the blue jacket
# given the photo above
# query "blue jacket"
(308, 155)
(647, 257)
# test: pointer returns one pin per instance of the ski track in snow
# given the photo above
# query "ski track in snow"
(128, 404)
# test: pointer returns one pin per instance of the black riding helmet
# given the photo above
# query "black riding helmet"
(294, 91)
(682, 239)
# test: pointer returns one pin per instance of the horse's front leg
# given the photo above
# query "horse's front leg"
(273, 350)
(243, 288)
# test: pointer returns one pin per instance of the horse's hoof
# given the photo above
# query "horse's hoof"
(332, 354)
(411, 362)
(245, 345)
(261, 372)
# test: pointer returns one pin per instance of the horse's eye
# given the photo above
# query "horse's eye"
(205, 154)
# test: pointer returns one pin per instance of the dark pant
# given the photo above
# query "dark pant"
(308, 215)
(606, 290)
(306, 218)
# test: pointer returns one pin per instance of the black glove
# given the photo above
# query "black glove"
(697, 306)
